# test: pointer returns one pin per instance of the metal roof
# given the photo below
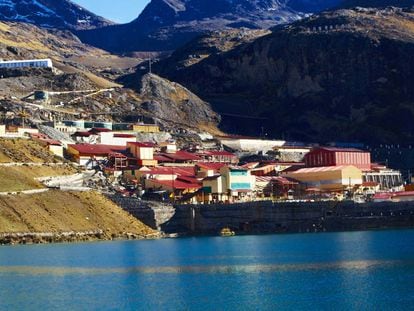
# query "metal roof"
(337, 149)
(177, 184)
(97, 149)
(322, 169)
(211, 165)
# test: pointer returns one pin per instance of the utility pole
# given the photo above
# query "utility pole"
(150, 64)
(173, 184)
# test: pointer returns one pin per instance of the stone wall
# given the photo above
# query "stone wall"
(156, 215)
(268, 217)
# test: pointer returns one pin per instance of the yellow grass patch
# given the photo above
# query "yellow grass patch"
(57, 211)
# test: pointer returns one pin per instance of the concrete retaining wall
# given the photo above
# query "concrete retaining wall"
(267, 217)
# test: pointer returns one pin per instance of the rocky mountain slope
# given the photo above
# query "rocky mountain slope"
(25, 41)
(376, 3)
(166, 24)
(172, 105)
(341, 75)
(204, 46)
(84, 68)
(50, 13)
(81, 66)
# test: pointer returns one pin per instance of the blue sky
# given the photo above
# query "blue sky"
(121, 11)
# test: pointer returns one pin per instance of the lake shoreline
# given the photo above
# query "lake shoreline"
(39, 238)
(30, 238)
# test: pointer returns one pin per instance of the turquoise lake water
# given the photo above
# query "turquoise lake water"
(330, 271)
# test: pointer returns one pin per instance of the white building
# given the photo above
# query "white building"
(30, 63)
(385, 177)
(250, 144)
(117, 138)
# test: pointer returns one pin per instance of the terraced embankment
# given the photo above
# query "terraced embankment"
(54, 215)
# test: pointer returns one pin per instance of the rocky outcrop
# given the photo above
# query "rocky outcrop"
(170, 103)
(343, 75)
(167, 24)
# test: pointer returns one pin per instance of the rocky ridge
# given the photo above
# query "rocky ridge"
(167, 24)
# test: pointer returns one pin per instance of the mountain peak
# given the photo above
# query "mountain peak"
(167, 24)
(50, 13)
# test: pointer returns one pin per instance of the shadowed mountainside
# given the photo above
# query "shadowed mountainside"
(342, 75)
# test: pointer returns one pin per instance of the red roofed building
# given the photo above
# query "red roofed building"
(179, 187)
(54, 146)
(166, 173)
(83, 153)
(266, 170)
(206, 169)
(180, 156)
(328, 156)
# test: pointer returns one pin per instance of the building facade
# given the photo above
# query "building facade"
(30, 63)
(146, 128)
(144, 152)
(386, 178)
(329, 156)
(328, 178)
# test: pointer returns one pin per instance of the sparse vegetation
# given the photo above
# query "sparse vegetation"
(19, 178)
(57, 211)
(54, 211)
(24, 150)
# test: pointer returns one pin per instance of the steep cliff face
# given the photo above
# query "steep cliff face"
(343, 75)
(166, 24)
(50, 13)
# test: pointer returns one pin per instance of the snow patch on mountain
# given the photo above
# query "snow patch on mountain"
(50, 13)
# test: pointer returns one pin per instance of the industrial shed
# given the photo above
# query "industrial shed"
(329, 178)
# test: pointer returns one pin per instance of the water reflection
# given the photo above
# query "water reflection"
(282, 272)
(219, 269)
